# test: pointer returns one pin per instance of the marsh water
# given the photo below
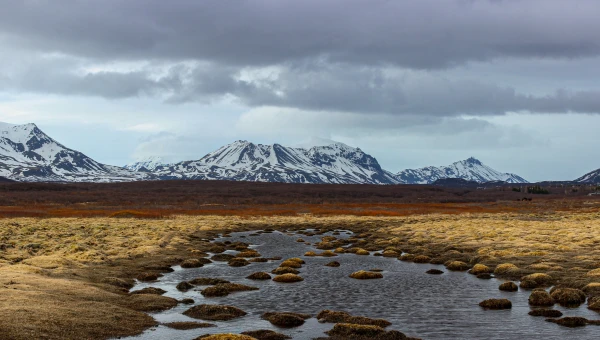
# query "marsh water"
(417, 304)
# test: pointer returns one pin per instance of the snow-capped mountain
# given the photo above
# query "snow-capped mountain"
(246, 161)
(470, 169)
(147, 164)
(28, 154)
(590, 177)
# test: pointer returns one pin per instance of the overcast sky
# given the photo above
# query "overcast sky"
(515, 83)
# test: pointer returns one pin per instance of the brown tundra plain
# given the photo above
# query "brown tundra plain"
(69, 253)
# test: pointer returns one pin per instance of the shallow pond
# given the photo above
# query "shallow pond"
(417, 304)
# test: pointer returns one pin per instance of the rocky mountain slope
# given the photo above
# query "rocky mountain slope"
(148, 164)
(246, 161)
(590, 177)
(470, 169)
(28, 154)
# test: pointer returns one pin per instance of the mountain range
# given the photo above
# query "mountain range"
(28, 154)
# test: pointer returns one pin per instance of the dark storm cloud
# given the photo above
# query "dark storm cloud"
(415, 34)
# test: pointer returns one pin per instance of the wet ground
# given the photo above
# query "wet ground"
(418, 304)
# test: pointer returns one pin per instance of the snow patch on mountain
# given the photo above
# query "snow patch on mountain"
(147, 164)
(28, 154)
(470, 169)
(590, 177)
(246, 161)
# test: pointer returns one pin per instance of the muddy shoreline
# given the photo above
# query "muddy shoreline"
(70, 294)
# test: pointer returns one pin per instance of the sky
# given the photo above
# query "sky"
(514, 83)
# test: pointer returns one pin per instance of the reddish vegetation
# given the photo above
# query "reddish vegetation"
(165, 198)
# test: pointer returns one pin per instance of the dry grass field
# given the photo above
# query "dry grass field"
(68, 277)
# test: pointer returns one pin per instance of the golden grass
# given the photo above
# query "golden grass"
(562, 244)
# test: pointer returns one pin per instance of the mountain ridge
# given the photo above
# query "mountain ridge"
(28, 154)
(470, 169)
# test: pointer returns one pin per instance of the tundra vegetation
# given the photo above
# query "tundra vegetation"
(66, 267)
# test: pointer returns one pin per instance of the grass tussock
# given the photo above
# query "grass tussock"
(288, 278)
(285, 319)
(508, 286)
(225, 336)
(214, 312)
(540, 298)
(496, 304)
(366, 275)
(568, 297)
(344, 317)
(265, 334)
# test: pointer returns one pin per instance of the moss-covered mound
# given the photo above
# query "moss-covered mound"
(214, 312)
(224, 289)
(536, 280)
(191, 263)
(287, 278)
(333, 264)
(540, 298)
(150, 290)
(480, 269)
(222, 257)
(265, 334)
(496, 304)
(259, 276)
(184, 325)
(285, 319)
(207, 281)
(457, 266)
(285, 270)
(365, 275)
(344, 317)
(362, 252)
(225, 336)
(238, 262)
(568, 297)
(184, 286)
(421, 259)
(508, 286)
(506, 269)
(570, 321)
(350, 331)
(291, 264)
(547, 313)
